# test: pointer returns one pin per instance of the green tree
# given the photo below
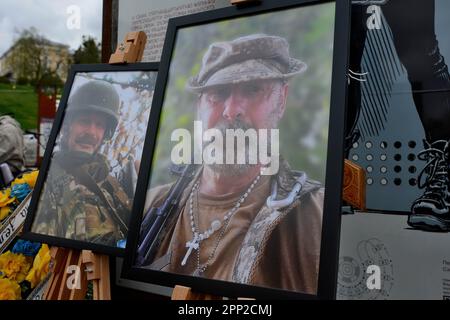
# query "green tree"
(30, 59)
(26, 60)
(88, 52)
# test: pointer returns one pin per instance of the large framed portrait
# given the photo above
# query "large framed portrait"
(84, 193)
(241, 192)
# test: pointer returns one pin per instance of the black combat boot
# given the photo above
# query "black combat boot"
(431, 211)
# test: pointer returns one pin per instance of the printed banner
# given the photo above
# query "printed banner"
(12, 226)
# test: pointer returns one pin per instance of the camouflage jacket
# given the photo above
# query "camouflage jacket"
(81, 201)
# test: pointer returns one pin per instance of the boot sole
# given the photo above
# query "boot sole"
(428, 223)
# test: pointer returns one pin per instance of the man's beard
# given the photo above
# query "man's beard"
(235, 169)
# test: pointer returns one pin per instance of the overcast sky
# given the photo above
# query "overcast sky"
(50, 18)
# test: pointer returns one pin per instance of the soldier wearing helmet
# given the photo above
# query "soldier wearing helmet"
(98, 101)
(234, 223)
(81, 200)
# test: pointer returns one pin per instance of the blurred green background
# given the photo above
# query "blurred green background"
(304, 128)
(22, 101)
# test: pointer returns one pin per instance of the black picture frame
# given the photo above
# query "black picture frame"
(37, 192)
(332, 207)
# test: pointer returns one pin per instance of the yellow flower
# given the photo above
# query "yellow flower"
(9, 290)
(4, 212)
(31, 178)
(40, 267)
(4, 197)
(19, 180)
(14, 266)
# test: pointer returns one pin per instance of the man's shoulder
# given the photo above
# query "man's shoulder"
(310, 199)
(309, 187)
(156, 195)
(309, 208)
(64, 181)
(316, 192)
(315, 189)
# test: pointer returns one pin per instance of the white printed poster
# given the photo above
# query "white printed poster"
(381, 259)
(152, 17)
(399, 106)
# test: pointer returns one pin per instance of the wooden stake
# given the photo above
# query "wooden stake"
(79, 293)
(64, 290)
(59, 256)
(89, 266)
(131, 49)
(97, 268)
(354, 185)
(185, 293)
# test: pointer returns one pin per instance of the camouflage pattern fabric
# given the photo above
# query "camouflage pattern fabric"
(70, 209)
(253, 57)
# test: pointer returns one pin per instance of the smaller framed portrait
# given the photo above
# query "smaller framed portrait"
(241, 191)
(84, 193)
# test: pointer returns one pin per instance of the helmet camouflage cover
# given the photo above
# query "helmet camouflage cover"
(96, 96)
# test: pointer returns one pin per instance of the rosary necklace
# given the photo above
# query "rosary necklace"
(216, 225)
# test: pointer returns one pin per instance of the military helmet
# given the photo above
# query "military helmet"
(96, 96)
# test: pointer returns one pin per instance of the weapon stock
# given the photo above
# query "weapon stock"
(156, 217)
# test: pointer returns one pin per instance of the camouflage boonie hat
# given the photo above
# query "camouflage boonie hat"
(253, 57)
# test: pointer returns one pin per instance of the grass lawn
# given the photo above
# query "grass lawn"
(22, 102)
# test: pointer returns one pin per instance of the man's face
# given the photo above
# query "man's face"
(86, 132)
(258, 104)
(250, 105)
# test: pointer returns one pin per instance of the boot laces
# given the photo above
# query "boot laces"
(435, 170)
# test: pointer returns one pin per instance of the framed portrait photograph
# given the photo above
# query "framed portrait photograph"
(86, 185)
(240, 195)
